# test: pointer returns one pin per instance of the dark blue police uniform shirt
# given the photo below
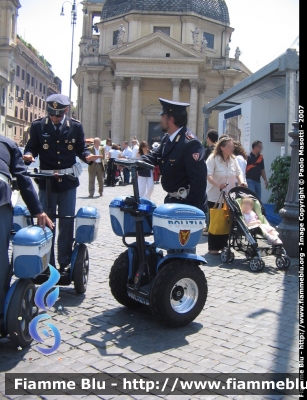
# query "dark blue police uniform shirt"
(12, 165)
(182, 164)
(57, 151)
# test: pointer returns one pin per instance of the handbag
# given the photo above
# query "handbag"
(220, 221)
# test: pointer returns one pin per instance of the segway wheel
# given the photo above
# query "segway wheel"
(118, 280)
(179, 293)
(81, 270)
(22, 309)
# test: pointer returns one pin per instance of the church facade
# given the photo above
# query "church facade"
(133, 52)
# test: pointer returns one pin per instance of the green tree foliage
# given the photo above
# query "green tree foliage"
(279, 180)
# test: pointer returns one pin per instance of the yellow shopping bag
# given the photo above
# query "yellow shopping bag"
(220, 221)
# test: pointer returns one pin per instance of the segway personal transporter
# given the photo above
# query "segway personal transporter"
(86, 228)
(172, 284)
(30, 257)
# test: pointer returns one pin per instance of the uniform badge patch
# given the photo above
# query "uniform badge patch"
(184, 236)
(46, 146)
(70, 147)
(55, 104)
(195, 156)
(73, 140)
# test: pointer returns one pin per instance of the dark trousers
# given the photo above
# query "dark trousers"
(6, 218)
(126, 175)
(65, 204)
(216, 242)
(112, 168)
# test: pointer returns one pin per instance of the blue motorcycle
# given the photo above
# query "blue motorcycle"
(170, 281)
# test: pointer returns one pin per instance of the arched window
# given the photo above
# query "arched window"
(31, 117)
(16, 112)
(21, 113)
(31, 100)
(26, 115)
(35, 102)
(40, 103)
(43, 105)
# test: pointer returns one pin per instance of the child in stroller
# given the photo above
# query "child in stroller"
(252, 221)
(246, 231)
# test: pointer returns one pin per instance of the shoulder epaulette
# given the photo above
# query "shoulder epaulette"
(189, 135)
(73, 119)
(38, 119)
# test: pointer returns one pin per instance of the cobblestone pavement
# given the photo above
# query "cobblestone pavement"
(249, 323)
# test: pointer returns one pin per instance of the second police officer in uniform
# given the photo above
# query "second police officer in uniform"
(57, 140)
(180, 158)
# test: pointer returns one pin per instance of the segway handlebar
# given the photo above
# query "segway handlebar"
(40, 175)
(137, 164)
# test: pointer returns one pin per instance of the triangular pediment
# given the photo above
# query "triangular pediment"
(156, 45)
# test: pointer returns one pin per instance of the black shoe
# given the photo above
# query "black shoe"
(64, 267)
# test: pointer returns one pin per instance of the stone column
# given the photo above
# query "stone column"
(192, 124)
(86, 106)
(94, 90)
(291, 100)
(201, 103)
(116, 109)
(289, 226)
(176, 89)
(134, 122)
(206, 123)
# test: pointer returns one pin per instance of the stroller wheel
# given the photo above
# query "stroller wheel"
(231, 257)
(283, 262)
(225, 256)
(262, 265)
(255, 264)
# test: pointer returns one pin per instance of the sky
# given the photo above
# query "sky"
(264, 29)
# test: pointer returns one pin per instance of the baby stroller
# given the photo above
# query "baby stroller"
(244, 239)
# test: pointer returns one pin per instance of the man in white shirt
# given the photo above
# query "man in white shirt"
(135, 148)
(96, 169)
(127, 153)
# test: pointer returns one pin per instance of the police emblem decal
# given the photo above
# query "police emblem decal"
(46, 146)
(195, 156)
(70, 147)
(55, 104)
(184, 236)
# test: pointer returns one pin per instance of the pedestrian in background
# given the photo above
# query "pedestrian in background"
(135, 148)
(112, 167)
(255, 169)
(223, 172)
(107, 147)
(145, 176)
(212, 139)
(241, 157)
(127, 154)
(96, 169)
